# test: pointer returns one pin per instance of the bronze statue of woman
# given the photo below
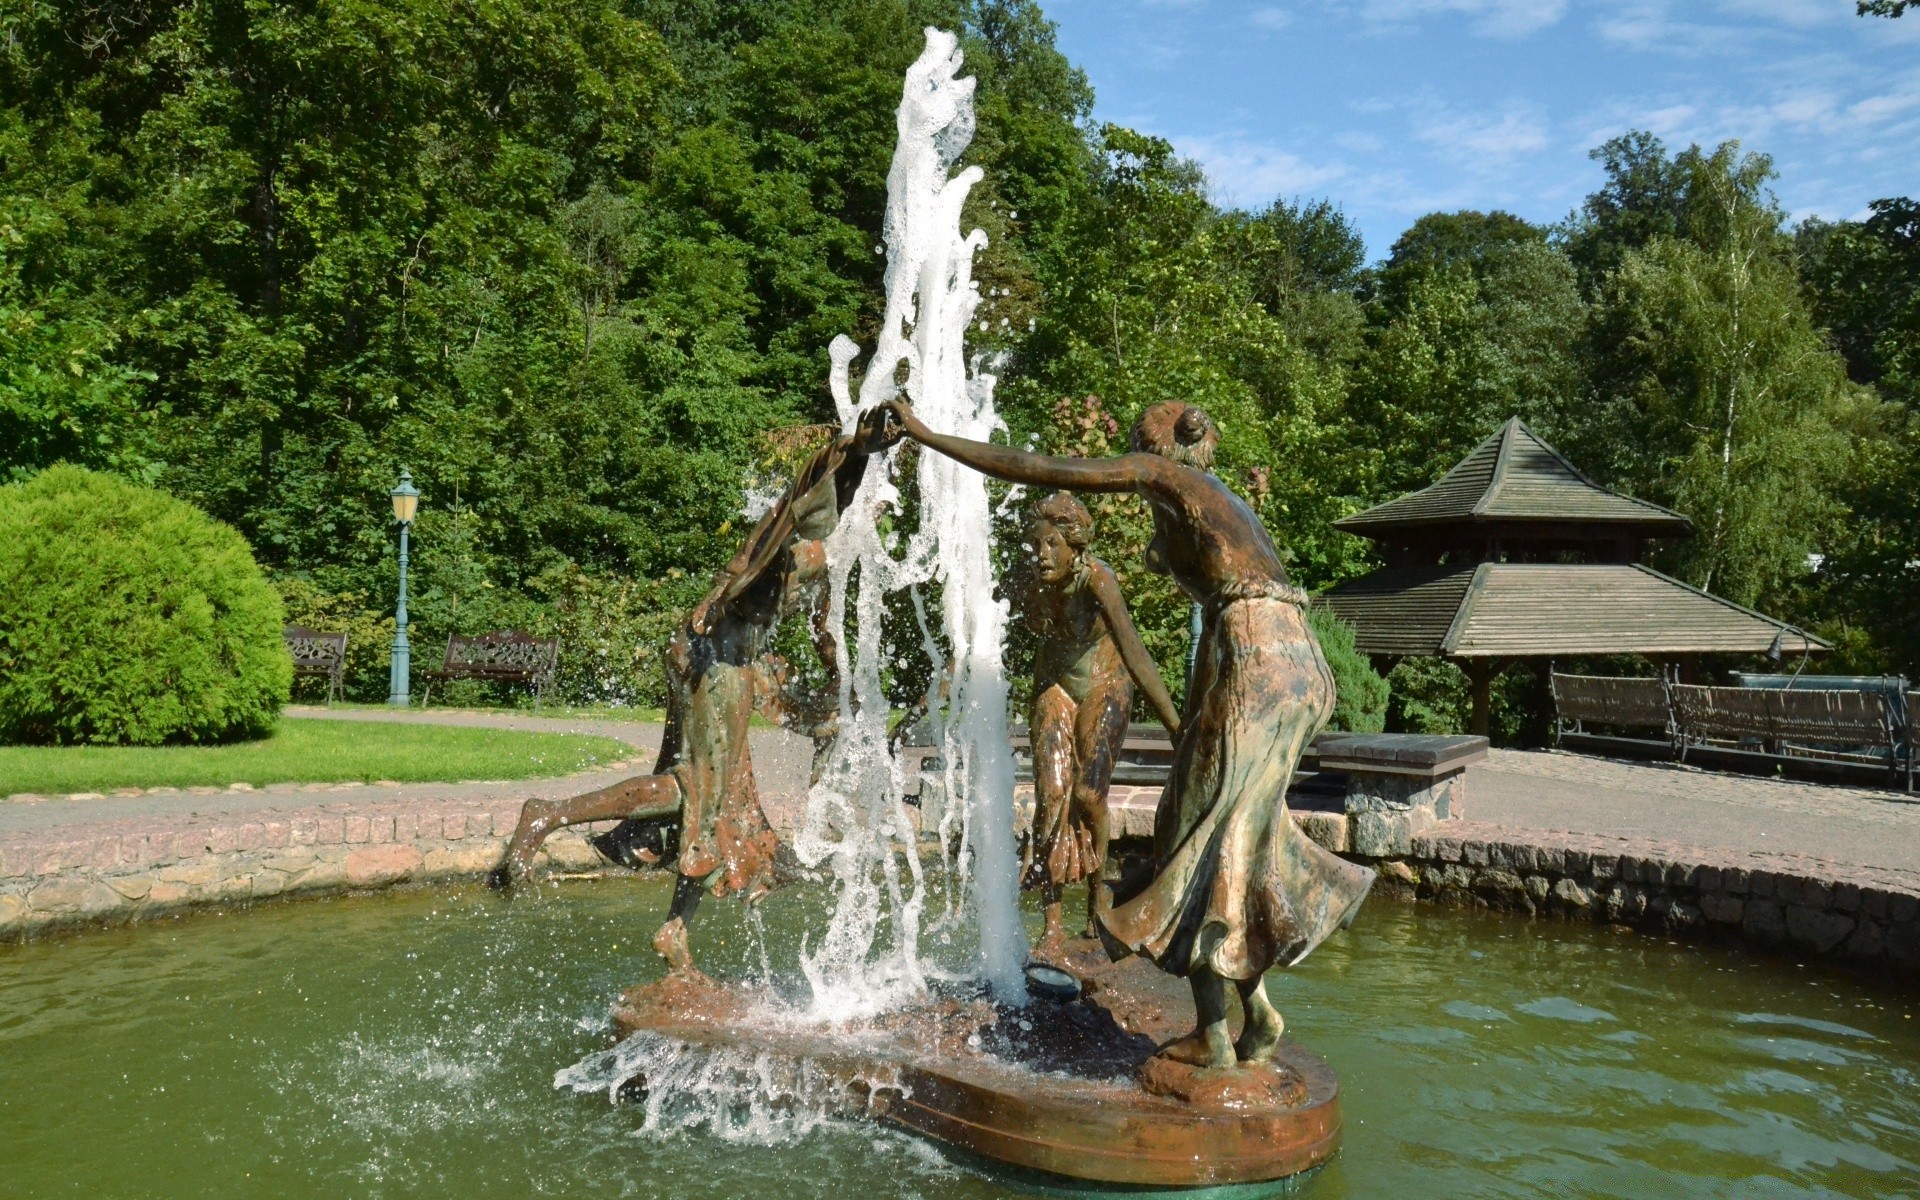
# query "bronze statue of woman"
(1236, 886)
(1087, 661)
(701, 796)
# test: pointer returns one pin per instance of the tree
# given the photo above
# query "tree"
(1476, 318)
(1728, 403)
(1863, 281)
(1644, 197)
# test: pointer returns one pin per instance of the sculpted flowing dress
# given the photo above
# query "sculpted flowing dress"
(1238, 886)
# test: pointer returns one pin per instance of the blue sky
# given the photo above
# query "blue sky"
(1394, 108)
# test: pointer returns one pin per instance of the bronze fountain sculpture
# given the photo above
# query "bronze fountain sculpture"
(1074, 1067)
(1237, 887)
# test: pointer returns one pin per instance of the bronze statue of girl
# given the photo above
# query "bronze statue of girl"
(700, 807)
(1236, 887)
(1088, 658)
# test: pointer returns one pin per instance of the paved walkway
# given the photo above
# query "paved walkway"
(1827, 870)
(1524, 789)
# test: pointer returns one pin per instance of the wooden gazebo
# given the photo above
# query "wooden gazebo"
(1515, 554)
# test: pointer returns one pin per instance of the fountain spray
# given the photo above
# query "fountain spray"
(855, 821)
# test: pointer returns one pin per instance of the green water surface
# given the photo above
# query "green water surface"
(406, 1045)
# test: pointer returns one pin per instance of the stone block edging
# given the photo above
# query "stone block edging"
(117, 871)
(1865, 917)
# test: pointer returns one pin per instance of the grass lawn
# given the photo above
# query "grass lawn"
(307, 751)
(593, 712)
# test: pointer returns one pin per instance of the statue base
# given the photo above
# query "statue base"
(1073, 1089)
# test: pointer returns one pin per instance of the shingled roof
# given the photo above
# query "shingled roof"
(1508, 610)
(1514, 476)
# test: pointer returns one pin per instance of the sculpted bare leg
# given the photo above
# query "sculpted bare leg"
(641, 796)
(1208, 1045)
(1260, 1035)
(1052, 727)
(1100, 731)
(670, 942)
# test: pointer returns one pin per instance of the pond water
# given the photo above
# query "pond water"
(405, 1045)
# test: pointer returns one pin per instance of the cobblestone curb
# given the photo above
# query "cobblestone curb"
(1862, 916)
(134, 870)
(114, 872)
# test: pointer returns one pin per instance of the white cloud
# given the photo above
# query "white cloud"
(1491, 18)
(1271, 19)
(1516, 131)
(1247, 172)
(1651, 25)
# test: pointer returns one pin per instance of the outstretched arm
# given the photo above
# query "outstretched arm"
(1133, 652)
(1122, 474)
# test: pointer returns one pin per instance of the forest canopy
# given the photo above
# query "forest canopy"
(572, 262)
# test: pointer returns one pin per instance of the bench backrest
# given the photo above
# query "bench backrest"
(503, 652)
(315, 653)
(1612, 700)
(1850, 717)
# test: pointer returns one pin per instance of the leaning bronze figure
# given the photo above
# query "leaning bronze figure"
(700, 808)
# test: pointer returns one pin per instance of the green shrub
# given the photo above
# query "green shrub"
(1361, 706)
(127, 616)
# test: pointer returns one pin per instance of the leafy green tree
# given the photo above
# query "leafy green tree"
(1476, 318)
(1726, 401)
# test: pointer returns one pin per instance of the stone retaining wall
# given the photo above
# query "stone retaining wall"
(133, 870)
(136, 869)
(1862, 916)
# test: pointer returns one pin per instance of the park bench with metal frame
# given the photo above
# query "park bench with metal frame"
(1617, 702)
(504, 656)
(319, 654)
(1913, 735)
(1831, 725)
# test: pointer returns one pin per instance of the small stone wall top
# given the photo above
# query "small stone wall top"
(1400, 753)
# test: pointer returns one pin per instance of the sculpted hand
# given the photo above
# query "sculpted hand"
(903, 413)
(878, 430)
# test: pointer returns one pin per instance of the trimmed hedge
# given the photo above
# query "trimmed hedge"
(1361, 705)
(127, 616)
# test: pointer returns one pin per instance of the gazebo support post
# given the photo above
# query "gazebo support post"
(1481, 672)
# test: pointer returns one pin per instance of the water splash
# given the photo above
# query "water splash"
(737, 1094)
(856, 822)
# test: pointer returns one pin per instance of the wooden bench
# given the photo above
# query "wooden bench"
(1614, 702)
(504, 656)
(1146, 755)
(1828, 724)
(319, 654)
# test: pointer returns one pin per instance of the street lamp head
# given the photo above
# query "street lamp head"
(406, 499)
